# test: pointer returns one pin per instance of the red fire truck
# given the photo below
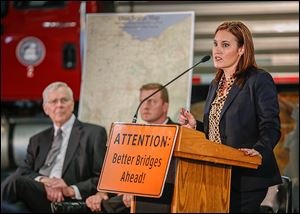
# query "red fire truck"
(40, 43)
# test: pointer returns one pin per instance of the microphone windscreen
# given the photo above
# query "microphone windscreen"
(205, 58)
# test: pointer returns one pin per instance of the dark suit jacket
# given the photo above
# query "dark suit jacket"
(83, 160)
(250, 119)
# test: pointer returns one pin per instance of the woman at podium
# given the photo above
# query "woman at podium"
(241, 111)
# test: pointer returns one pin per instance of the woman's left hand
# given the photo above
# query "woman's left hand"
(250, 152)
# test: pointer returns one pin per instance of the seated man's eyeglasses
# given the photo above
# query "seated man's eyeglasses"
(62, 101)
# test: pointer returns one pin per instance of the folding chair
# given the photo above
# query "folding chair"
(278, 198)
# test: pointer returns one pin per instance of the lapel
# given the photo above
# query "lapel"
(235, 89)
(73, 143)
(210, 97)
(45, 146)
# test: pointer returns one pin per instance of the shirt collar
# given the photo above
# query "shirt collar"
(67, 125)
(166, 121)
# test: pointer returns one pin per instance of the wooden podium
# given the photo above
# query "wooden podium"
(203, 173)
(203, 168)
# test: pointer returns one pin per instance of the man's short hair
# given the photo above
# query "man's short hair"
(151, 86)
(54, 86)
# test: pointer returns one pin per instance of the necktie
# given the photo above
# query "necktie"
(55, 148)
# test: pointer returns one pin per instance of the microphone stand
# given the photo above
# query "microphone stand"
(204, 59)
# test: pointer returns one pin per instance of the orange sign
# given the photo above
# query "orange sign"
(137, 159)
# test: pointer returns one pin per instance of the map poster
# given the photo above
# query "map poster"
(123, 51)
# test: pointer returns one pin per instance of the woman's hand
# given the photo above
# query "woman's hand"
(186, 119)
(250, 152)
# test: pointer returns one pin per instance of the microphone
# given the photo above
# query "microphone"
(204, 59)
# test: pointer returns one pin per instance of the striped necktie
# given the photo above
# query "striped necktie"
(54, 151)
